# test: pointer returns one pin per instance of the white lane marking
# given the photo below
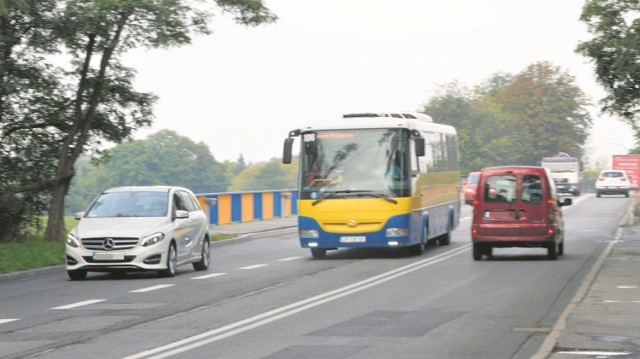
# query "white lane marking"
(211, 336)
(289, 259)
(80, 304)
(465, 218)
(621, 301)
(592, 353)
(254, 266)
(149, 289)
(627, 287)
(206, 276)
(2, 321)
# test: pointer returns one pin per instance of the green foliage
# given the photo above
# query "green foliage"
(266, 176)
(615, 49)
(514, 120)
(549, 111)
(163, 158)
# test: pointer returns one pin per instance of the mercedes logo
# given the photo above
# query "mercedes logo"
(108, 243)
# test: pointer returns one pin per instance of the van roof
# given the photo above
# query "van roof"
(513, 168)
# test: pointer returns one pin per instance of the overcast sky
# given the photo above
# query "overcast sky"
(241, 90)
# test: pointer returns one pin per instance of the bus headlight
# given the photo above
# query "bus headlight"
(308, 233)
(397, 232)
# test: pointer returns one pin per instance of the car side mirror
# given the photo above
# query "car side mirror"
(79, 215)
(181, 214)
(565, 202)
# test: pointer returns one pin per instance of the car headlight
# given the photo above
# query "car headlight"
(152, 239)
(72, 241)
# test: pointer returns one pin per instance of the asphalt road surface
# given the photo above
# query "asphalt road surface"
(267, 298)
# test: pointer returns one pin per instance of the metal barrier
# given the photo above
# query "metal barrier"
(235, 207)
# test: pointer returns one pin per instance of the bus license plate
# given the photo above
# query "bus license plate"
(353, 239)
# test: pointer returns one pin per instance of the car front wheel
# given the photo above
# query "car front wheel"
(77, 274)
(172, 262)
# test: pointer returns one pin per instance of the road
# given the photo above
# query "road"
(268, 298)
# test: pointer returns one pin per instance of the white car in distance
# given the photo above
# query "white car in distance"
(612, 182)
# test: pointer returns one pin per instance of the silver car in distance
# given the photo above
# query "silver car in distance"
(139, 228)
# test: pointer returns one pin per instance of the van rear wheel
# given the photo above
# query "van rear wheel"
(552, 251)
(477, 252)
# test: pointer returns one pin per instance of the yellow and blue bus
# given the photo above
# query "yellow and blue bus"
(376, 181)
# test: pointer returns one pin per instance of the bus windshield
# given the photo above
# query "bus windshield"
(347, 163)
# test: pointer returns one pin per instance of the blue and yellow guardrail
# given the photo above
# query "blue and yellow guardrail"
(236, 207)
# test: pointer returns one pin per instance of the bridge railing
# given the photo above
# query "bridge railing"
(236, 207)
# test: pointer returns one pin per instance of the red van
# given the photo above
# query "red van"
(517, 206)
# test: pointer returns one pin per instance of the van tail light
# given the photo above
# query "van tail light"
(550, 201)
(550, 232)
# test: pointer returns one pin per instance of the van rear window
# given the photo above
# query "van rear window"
(531, 189)
(500, 188)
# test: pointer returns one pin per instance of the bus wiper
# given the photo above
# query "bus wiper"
(332, 194)
(348, 192)
(378, 195)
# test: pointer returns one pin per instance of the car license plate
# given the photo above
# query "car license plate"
(108, 256)
(353, 239)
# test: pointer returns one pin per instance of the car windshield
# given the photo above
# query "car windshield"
(129, 204)
(473, 178)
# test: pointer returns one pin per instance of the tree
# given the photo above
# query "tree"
(549, 111)
(90, 98)
(615, 49)
(486, 136)
(163, 158)
(29, 99)
(265, 176)
(514, 120)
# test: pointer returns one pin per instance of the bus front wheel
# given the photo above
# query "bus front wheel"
(318, 253)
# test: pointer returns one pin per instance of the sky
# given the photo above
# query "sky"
(242, 89)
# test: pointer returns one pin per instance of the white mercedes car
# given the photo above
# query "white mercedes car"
(145, 228)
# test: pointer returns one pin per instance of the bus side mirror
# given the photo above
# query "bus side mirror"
(286, 154)
(419, 145)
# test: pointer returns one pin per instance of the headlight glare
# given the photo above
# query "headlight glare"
(72, 241)
(397, 232)
(152, 239)
(308, 233)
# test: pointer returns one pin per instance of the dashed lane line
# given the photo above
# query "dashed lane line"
(149, 289)
(254, 266)
(207, 276)
(80, 304)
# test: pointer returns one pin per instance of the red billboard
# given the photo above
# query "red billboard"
(629, 163)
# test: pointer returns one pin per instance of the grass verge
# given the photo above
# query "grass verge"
(38, 253)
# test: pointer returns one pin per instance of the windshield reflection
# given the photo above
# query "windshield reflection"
(349, 163)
